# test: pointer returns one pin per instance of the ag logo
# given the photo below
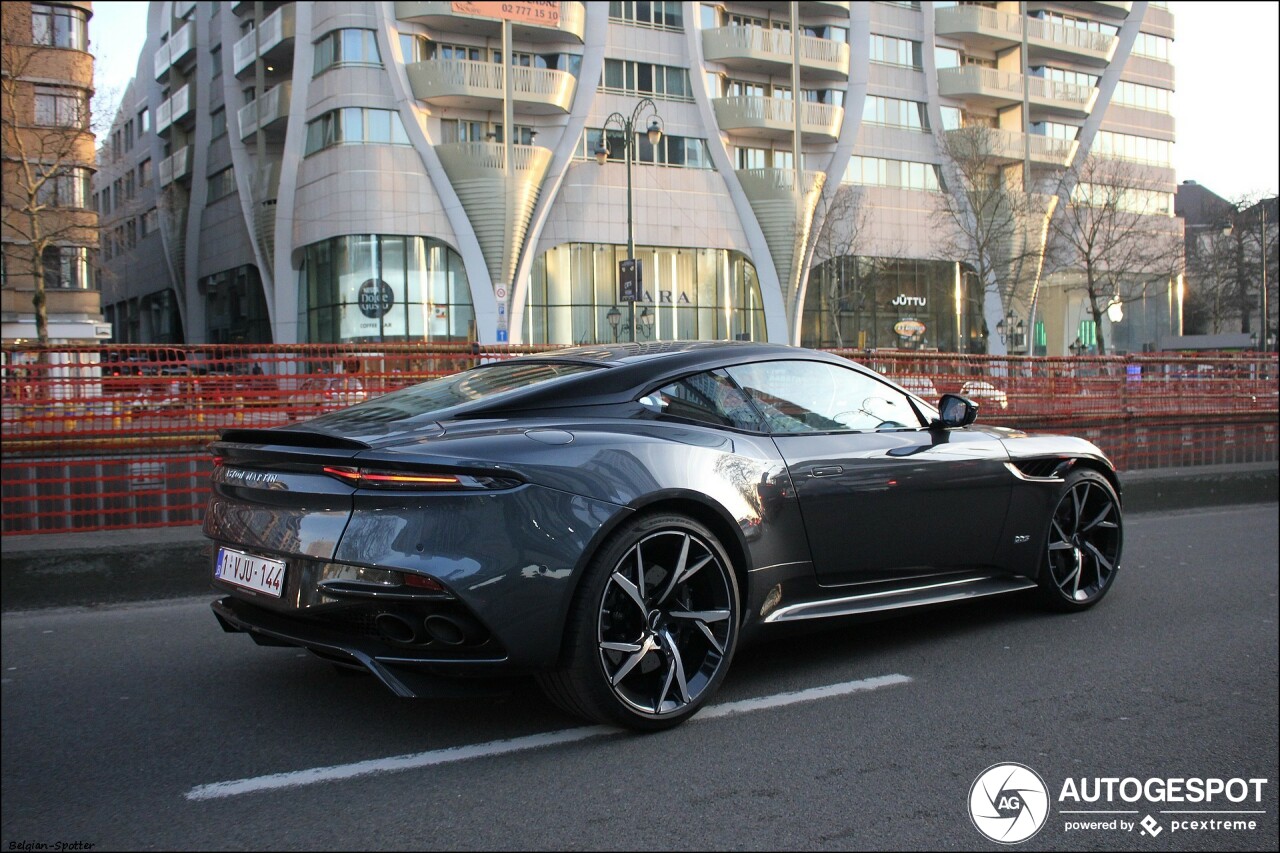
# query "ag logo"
(1008, 803)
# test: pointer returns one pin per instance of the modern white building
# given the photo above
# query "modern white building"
(332, 172)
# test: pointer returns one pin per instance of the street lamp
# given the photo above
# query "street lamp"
(646, 322)
(1011, 329)
(613, 317)
(628, 128)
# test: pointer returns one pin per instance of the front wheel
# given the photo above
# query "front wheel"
(653, 627)
(1086, 534)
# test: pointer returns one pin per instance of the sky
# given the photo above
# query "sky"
(1226, 64)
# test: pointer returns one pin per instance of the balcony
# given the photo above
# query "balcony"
(268, 113)
(478, 85)
(979, 26)
(1006, 146)
(440, 14)
(1062, 97)
(980, 85)
(174, 109)
(176, 166)
(1058, 41)
(766, 51)
(180, 47)
(273, 41)
(774, 118)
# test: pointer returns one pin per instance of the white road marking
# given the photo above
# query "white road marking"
(414, 761)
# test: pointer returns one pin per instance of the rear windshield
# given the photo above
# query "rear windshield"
(467, 387)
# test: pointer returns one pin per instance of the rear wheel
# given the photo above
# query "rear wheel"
(1086, 534)
(653, 627)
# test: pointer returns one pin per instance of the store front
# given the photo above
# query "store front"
(684, 294)
(893, 303)
(378, 288)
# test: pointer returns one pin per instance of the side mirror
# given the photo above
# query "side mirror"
(955, 411)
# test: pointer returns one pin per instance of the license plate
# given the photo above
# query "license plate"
(245, 570)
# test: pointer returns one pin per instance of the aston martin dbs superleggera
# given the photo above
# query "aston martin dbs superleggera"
(617, 520)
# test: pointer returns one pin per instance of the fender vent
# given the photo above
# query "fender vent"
(1042, 468)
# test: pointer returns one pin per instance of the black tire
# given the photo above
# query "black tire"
(1084, 543)
(653, 627)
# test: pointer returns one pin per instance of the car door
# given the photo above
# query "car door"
(882, 495)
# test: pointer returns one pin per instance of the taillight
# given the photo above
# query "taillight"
(366, 478)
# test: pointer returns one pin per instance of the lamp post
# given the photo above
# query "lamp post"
(613, 317)
(628, 127)
(1011, 329)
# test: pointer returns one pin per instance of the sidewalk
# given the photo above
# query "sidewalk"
(78, 569)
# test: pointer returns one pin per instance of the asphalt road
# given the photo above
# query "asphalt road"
(120, 722)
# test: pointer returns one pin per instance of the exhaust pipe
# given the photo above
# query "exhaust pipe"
(453, 630)
(395, 628)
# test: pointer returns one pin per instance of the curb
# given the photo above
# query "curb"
(112, 567)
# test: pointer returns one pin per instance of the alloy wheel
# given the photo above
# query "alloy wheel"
(1084, 541)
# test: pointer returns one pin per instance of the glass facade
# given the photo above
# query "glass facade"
(236, 307)
(879, 303)
(377, 287)
(686, 294)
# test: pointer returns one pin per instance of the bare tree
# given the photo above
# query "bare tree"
(844, 222)
(47, 158)
(986, 219)
(1225, 264)
(1115, 234)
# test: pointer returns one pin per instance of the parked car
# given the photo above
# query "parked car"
(618, 520)
(921, 386)
(324, 394)
(984, 393)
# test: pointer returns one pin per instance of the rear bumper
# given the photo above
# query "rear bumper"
(406, 673)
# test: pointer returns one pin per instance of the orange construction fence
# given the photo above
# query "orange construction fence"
(113, 436)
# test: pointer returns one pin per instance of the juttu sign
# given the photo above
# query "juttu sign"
(539, 13)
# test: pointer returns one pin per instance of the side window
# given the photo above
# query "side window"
(709, 398)
(808, 396)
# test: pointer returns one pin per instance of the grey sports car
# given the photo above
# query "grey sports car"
(618, 520)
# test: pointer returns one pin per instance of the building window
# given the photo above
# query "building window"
(1143, 97)
(128, 135)
(430, 298)
(688, 294)
(1139, 149)
(893, 112)
(222, 184)
(682, 151)
(643, 78)
(346, 47)
(355, 126)
(215, 61)
(901, 174)
(888, 50)
(1063, 75)
(68, 268)
(217, 122)
(658, 14)
(129, 185)
(59, 26)
(144, 173)
(1153, 47)
(144, 121)
(855, 301)
(65, 187)
(414, 48)
(150, 222)
(57, 107)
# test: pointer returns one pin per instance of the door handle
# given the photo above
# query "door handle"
(828, 471)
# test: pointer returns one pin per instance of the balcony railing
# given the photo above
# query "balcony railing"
(1011, 146)
(174, 108)
(276, 29)
(1066, 97)
(980, 84)
(175, 166)
(769, 51)
(981, 26)
(774, 118)
(179, 47)
(267, 111)
(479, 85)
